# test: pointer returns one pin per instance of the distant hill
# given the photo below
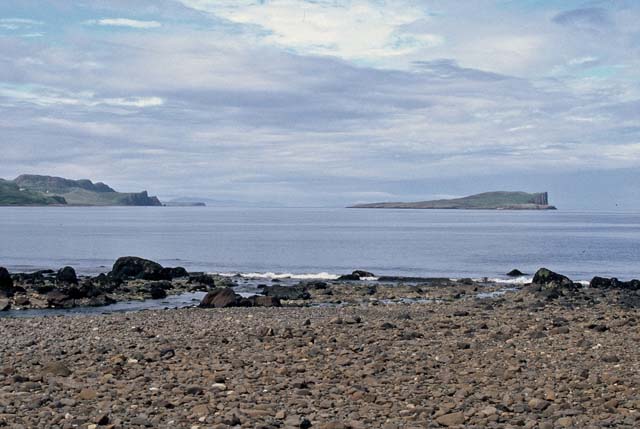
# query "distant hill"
(486, 201)
(29, 189)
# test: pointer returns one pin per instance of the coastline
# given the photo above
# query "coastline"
(520, 359)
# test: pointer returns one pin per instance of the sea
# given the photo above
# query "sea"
(323, 243)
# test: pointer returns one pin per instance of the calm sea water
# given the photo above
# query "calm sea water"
(445, 243)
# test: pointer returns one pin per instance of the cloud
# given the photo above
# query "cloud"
(592, 18)
(358, 29)
(124, 22)
(13, 24)
(46, 96)
(237, 105)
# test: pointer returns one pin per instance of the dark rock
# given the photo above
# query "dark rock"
(287, 293)
(356, 275)
(613, 283)
(349, 277)
(59, 299)
(314, 284)
(515, 273)
(174, 273)
(194, 390)
(461, 313)
(67, 275)
(6, 283)
(305, 424)
(361, 273)
(167, 354)
(43, 288)
(222, 298)
(21, 301)
(129, 267)
(264, 301)
(545, 277)
(157, 291)
(100, 301)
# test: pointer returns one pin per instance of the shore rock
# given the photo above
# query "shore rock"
(134, 267)
(355, 275)
(67, 275)
(545, 277)
(6, 283)
(221, 298)
(613, 283)
(515, 273)
(296, 292)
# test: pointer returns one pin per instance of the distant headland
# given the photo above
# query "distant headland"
(35, 190)
(486, 201)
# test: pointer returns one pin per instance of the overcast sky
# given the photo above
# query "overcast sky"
(326, 102)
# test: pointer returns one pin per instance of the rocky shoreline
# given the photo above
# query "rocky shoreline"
(341, 354)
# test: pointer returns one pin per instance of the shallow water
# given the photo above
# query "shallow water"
(324, 242)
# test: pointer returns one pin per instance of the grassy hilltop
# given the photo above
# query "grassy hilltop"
(486, 201)
(38, 190)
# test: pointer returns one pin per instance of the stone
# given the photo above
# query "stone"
(59, 299)
(67, 275)
(538, 404)
(6, 283)
(265, 301)
(451, 419)
(547, 277)
(221, 298)
(5, 304)
(133, 267)
(296, 292)
(515, 273)
(56, 368)
(87, 394)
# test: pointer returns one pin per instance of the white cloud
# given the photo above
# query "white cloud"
(43, 96)
(124, 22)
(358, 29)
(18, 23)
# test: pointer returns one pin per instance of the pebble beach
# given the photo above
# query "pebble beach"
(515, 360)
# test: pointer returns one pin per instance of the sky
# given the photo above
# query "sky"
(326, 102)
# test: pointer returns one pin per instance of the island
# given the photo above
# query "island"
(36, 190)
(500, 200)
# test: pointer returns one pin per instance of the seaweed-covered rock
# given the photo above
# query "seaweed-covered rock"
(132, 267)
(545, 277)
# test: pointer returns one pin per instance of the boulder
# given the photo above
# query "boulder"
(296, 292)
(221, 298)
(545, 277)
(5, 304)
(202, 279)
(67, 275)
(515, 273)
(132, 267)
(6, 283)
